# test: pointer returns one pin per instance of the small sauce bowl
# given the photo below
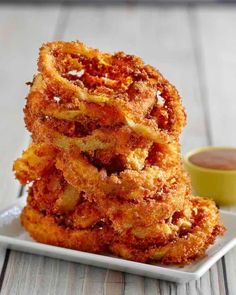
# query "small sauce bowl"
(217, 184)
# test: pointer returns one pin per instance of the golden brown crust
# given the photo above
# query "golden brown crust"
(34, 162)
(45, 229)
(116, 77)
(184, 249)
(180, 246)
(105, 162)
(54, 196)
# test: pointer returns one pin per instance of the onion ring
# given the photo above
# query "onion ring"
(54, 196)
(130, 184)
(45, 229)
(58, 59)
(185, 248)
(34, 162)
(105, 162)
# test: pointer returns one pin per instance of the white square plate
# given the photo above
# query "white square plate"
(13, 236)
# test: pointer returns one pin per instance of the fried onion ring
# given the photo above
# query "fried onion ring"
(45, 229)
(184, 249)
(105, 164)
(58, 59)
(131, 184)
(34, 162)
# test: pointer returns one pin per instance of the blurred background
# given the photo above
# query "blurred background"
(193, 43)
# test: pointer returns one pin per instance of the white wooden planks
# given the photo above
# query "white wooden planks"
(161, 36)
(217, 33)
(31, 274)
(164, 37)
(218, 45)
(114, 283)
(22, 30)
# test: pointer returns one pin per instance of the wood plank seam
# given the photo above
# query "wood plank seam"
(85, 279)
(211, 282)
(4, 267)
(21, 191)
(158, 287)
(62, 20)
(205, 102)
(200, 71)
(197, 286)
(58, 31)
(225, 276)
(8, 251)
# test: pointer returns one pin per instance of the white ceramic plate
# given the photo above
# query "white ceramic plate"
(13, 236)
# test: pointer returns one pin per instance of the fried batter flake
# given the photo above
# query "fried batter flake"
(105, 162)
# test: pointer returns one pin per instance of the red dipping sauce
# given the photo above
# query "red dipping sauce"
(219, 159)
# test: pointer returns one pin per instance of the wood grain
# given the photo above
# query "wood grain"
(19, 51)
(218, 51)
(114, 283)
(178, 42)
(22, 30)
(156, 35)
(162, 37)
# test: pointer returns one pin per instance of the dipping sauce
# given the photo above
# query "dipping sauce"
(221, 159)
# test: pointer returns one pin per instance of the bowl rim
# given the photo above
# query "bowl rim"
(203, 169)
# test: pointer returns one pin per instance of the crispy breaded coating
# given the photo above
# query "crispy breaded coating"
(105, 162)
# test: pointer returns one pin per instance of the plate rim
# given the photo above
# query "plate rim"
(109, 261)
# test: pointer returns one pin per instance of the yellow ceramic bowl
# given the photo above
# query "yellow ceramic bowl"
(219, 185)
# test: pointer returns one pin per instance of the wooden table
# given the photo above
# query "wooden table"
(193, 45)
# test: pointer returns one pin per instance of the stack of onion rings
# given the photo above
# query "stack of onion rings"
(105, 161)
